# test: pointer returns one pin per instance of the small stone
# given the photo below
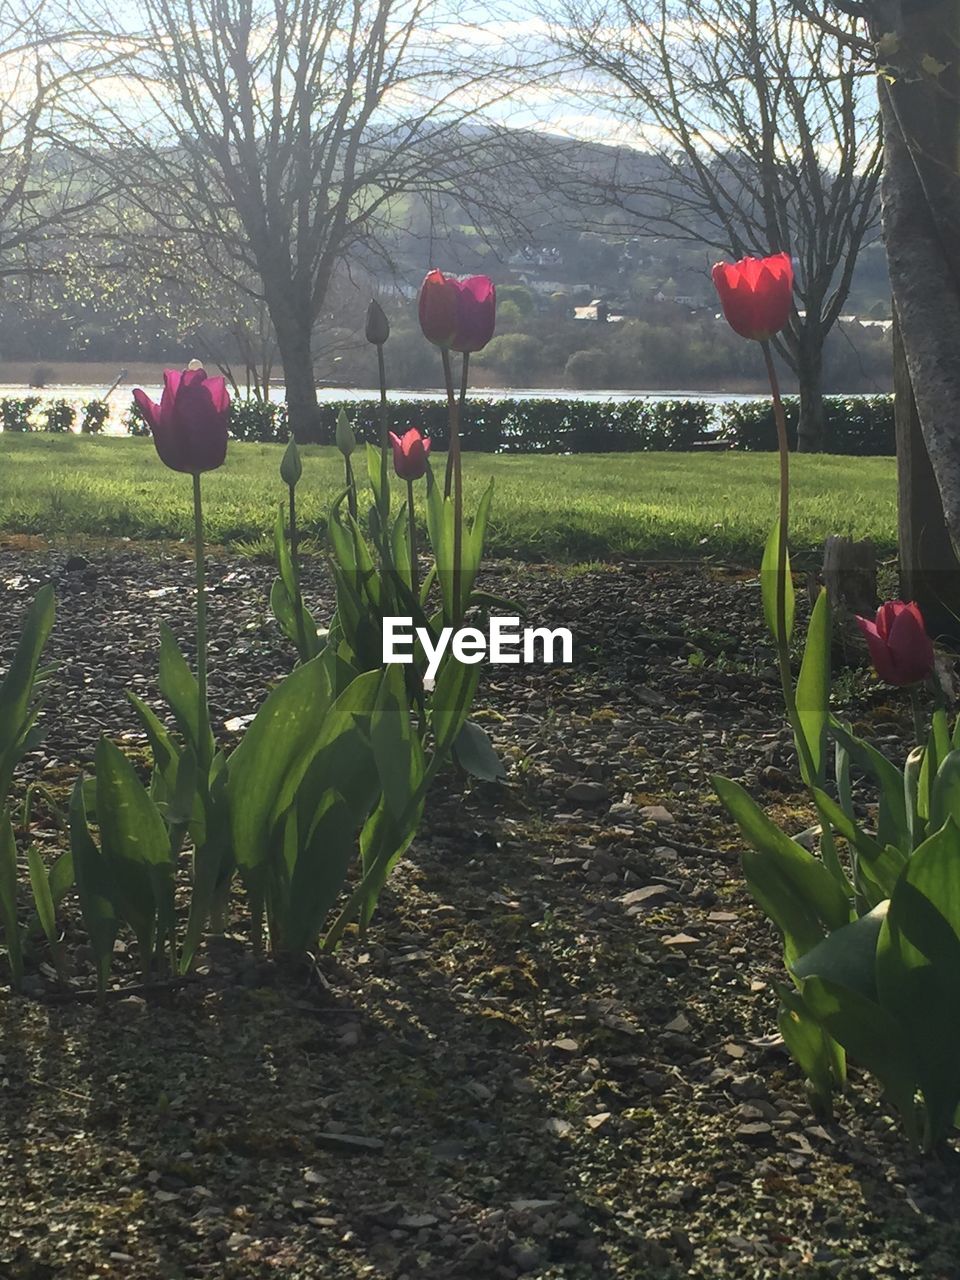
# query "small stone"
(680, 1023)
(350, 1143)
(648, 895)
(417, 1221)
(565, 1045)
(132, 1006)
(656, 813)
(526, 1257)
(586, 793)
(681, 940)
(557, 1126)
(754, 1134)
(599, 1120)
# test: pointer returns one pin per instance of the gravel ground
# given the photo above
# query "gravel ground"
(554, 1054)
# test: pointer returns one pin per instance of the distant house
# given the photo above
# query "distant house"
(599, 312)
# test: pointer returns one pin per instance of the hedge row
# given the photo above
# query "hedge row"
(856, 425)
(859, 425)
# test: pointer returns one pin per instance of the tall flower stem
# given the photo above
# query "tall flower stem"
(464, 376)
(203, 714)
(295, 561)
(351, 487)
(384, 430)
(917, 711)
(414, 566)
(454, 469)
(783, 640)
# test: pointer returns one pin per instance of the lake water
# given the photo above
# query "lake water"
(120, 398)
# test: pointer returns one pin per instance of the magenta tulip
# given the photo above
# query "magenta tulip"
(189, 425)
(900, 649)
(410, 454)
(458, 314)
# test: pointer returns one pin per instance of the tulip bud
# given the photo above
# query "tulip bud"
(346, 440)
(378, 326)
(291, 468)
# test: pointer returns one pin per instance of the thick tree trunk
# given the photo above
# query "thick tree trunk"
(810, 429)
(300, 388)
(921, 219)
(929, 570)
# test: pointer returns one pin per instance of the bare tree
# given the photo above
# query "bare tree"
(764, 131)
(283, 134)
(44, 195)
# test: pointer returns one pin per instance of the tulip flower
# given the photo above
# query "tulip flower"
(189, 425)
(189, 428)
(458, 314)
(756, 294)
(410, 454)
(900, 649)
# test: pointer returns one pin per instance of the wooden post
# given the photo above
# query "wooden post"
(929, 569)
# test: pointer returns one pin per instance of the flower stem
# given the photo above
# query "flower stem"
(295, 562)
(203, 715)
(454, 469)
(351, 487)
(414, 567)
(783, 641)
(917, 710)
(384, 433)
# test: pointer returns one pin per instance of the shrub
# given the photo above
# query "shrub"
(588, 368)
(515, 355)
(257, 420)
(15, 412)
(59, 416)
(95, 414)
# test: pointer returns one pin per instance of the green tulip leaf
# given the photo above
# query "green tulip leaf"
(793, 887)
(94, 887)
(848, 956)
(475, 753)
(769, 576)
(8, 899)
(813, 687)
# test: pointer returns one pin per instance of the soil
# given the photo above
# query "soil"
(555, 1052)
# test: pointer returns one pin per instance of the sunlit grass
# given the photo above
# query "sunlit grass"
(580, 508)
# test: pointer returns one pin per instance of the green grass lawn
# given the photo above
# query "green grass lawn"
(587, 507)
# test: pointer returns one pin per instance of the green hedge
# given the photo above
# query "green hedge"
(536, 426)
(859, 425)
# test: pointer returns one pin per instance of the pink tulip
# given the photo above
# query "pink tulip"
(410, 454)
(900, 649)
(189, 425)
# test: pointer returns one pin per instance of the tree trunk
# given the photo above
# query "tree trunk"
(300, 388)
(810, 429)
(929, 571)
(921, 220)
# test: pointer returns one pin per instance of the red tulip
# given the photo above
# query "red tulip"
(900, 649)
(189, 424)
(410, 454)
(756, 294)
(458, 314)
